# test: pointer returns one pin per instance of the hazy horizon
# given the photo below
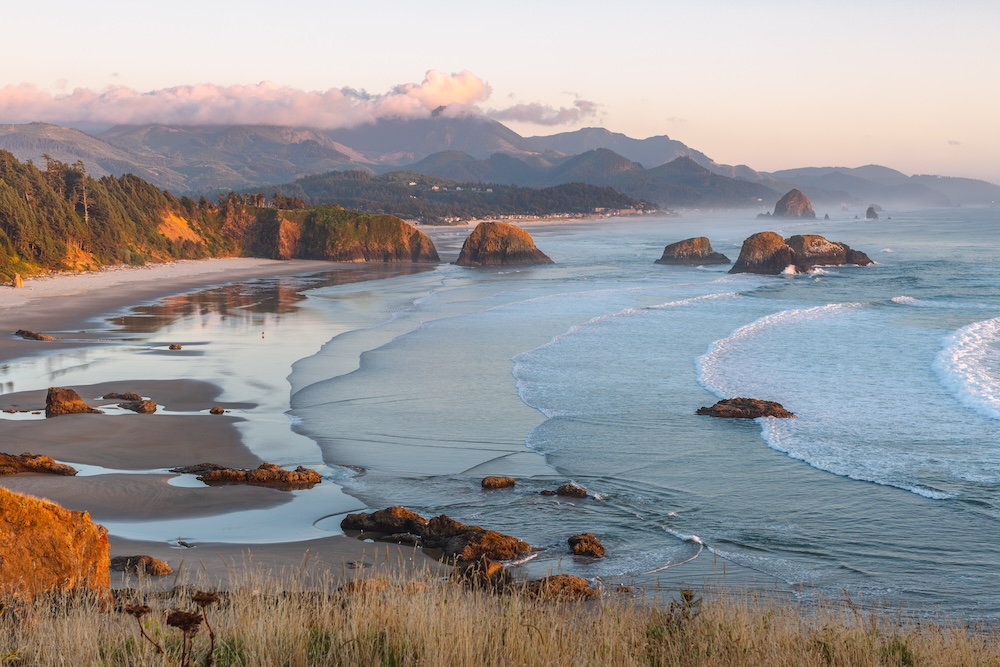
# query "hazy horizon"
(774, 86)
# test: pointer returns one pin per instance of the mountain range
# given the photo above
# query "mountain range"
(214, 159)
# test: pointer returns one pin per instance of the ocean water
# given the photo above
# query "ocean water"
(407, 387)
(885, 488)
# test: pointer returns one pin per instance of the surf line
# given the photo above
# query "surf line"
(696, 540)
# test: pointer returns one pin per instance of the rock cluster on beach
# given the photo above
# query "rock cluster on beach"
(140, 565)
(769, 253)
(696, 251)
(500, 244)
(267, 474)
(454, 539)
(745, 408)
(49, 548)
(12, 464)
(61, 401)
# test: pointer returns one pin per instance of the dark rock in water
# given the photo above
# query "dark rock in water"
(390, 520)
(871, 213)
(175, 346)
(66, 402)
(818, 251)
(153, 567)
(468, 543)
(586, 544)
(746, 408)
(33, 335)
(562, 588)
(497, 482)
(794, 205)
(217, 410)
(764, 216)
(694, 251)
(12, 464)
(826, 217)
(143, 407)
(127, 396)
(547, 492)
(767, 253)
(856, 257)
(571, 491)
(500, 244)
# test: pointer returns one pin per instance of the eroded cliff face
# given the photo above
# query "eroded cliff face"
(44, 547)
(500, 244)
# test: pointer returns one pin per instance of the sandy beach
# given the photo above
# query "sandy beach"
(124, 457)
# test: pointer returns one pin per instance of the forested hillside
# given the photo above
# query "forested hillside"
(58, 218)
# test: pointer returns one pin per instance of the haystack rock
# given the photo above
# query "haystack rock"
(746, 408)
(66, 402)
(818, 251)
(500, 244)
(696, 251)
(871, 213)
(767, 253)
(48, 548)
(794, 205)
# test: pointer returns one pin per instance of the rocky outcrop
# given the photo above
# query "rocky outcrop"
(267, 474)
(390, 520)
(32, 335)
(767, 253)
(44, 547)
(586, 544)
(567, 490)
(562, 588)
(488, 574)
(140, 565)
(496, 482)
(217, 410)
(871, 213)
(695, 252)
(746, 408)
(12, 464)
(816, 250)
(500, 244)
(455, 540)
(380, 238)
(66, 402)
(127, 396)
(794, 205)
(175, 346)
(143, 407)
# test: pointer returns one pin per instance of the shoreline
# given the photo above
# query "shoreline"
(132, 452)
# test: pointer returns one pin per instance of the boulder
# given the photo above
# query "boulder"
(745, 408)
(767, 253)
(562, 588)
(500, 244)
(694, 251)
(217, 410)
(12, 464)
(871, 213)
(44, 547)
(571, 491)
(32, 335)
(127, 396)
(468, 543)
(497, 482)
(856, 257)
(586, 544)
(267, 474)
(142, 406)
(141, 565)
(390, 520)
(794, 205)
(175, 346)
(66, 402)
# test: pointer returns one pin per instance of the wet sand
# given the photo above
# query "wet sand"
(136, 448)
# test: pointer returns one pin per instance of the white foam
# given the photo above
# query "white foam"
(967, 366)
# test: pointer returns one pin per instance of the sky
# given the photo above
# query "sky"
(773, 84)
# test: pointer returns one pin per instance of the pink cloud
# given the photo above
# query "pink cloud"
(258, 104)
(542, 114)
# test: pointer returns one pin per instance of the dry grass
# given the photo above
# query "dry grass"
(390, 619)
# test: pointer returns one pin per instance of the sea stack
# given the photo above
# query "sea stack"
(694, 252)
(794, 205)
(767, 253)
(818, 251)
(500, 244)
(871, 213)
